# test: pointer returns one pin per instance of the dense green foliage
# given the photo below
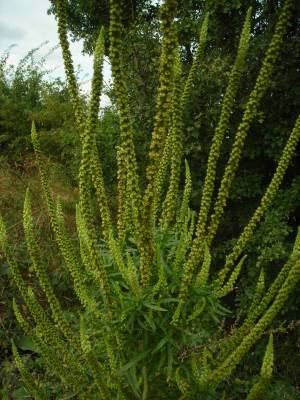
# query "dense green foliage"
(133, 333)
(28, 93)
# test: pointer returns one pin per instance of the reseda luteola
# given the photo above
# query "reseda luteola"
(145, 283)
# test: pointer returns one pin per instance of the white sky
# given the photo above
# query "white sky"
(26, 24)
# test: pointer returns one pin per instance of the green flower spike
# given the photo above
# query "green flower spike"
(258, 391)
(127, 173)
(173, 146)
(185, 198)
(52, 359)
(42, 276)
(226, 111)
(175, 143)
(284, 161)
(249, 115)
(164, 96)
(27, 379)
(230, 343)
(196, 62)
(227, 367)
(227, 105)
(60, 6)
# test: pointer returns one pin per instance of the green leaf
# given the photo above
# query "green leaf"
(170, 360)
(21, 393)
(26, 343)
(168, 300)
(163, 341)
(150, 322)
(132, 378)
(134, 361)
(153, 307)
(161, 361)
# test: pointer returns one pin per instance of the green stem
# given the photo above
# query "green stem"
(145, 390)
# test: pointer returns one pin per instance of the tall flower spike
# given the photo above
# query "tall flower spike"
(228, 366)
(209, 182)
(51, 358)
(160, 178)
(268, 361)
(133, 278)
(83, 243)
(60, 6)
(173, 145)
(231, 342)
(75, 271)
(50, 333)
(90, 161)
(258, 391)
(249, 115)
(122, 198)
(126, 129)
(88, 138)
(261, 301)
(161, 140)
(165, 160)
(203, 274)
(16, 275)
(95, 164)
(164, 96)
(94, 168)
(65, 245)
(185, 236)
(43, 277)
(127, 174)
(89, 157)
(43, 177)
(259, 291)
(284, 161)
(196, 61)
(185, 198)
(169, 204)
(27, 379)
(228, 287)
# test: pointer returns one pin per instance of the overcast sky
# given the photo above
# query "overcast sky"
(26, 24)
